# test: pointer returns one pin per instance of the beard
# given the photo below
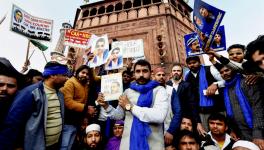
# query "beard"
(4, 98)
(83, 80)
(177, 77)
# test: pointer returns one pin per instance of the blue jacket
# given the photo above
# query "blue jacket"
(28, 115)
(176, 110)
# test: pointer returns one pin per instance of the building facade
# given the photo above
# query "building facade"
(160, 23)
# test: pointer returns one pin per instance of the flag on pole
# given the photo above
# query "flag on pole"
(3, 19)
(39, 45)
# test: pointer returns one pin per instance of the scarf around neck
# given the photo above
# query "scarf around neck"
(205, 101)
(140, 131)
(242, 100)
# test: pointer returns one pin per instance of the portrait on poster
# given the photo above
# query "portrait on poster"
(100, 49)
(219, 43)
(115, 59)
(193, 44)
(207, 20)
(112, 86)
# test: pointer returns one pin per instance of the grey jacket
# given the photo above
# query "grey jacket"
(28, 114)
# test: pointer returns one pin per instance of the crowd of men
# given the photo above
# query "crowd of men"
(217, 107)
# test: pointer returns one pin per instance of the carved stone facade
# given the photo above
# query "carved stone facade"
(149, 20)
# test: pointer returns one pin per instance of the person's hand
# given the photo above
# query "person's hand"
(211, 58)
(168, 138)
(25, 67)
(123, 101)
(210, 51)
(252, 79)
(101, 101)
(211, 89)
(90, 56)
(201, 129)
(129, 63)
(259, 142)
(91, 111)
(234, 136)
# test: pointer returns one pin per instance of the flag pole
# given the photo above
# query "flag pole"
(44, 56)
(28, 46)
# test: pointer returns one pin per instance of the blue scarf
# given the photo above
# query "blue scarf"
(140, 131)
(205, 101)
(243, 101)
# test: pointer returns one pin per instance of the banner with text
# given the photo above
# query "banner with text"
(131, 49)
(32, 27)
(77, 38)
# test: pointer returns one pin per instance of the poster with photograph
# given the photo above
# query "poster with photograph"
(100, 49)
(112, 86)
(207, 20)
(115, 59)
(32, 27)
(76, 38)
(193, 44)
(132, 48)
(219, 43)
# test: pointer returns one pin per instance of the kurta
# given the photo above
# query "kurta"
(155, 116)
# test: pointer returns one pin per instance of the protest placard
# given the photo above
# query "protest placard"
(132, 48)
(100, 49)
(192, 44)
(32, 27)
(219, 43)
(76, 38)
(112, 86)
(115, 59)
(207, 20)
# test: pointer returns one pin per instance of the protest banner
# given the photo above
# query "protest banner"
(115, 59)
(207, 20)
(76, 38)
(219, 43)
(32, 27)
(100, 49)
(131, 49)
(112, 86)
(193, 44)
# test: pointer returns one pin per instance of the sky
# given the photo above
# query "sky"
(244, 21)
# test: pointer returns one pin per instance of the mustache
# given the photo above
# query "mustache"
(141, 78)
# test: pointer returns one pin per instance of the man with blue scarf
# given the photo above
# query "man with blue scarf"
(205, 81)
(244, 106)
(37, 113)
(144, 105)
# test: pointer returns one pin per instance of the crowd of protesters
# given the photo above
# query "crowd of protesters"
(217, 107)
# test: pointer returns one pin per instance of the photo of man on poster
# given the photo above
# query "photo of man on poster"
(18, 16)
(115, 60)
(219, 42)
(192, 44)
(100, 50)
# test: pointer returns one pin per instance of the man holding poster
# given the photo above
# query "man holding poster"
(144, 105)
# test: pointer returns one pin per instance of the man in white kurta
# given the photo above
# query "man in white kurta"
(153, 115)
